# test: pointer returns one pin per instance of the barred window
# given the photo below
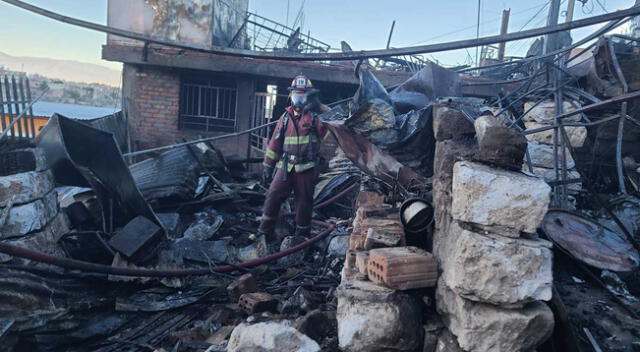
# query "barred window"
(208, 104)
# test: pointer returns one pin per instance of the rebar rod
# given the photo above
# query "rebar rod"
(10, 127)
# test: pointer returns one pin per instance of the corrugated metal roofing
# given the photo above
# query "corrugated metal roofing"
(74, 111)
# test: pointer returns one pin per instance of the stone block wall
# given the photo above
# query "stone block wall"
(30, 215)
(495, 271)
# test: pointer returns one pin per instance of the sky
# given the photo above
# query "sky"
(364, 24)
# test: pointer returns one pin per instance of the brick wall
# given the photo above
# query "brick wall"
(153, 96)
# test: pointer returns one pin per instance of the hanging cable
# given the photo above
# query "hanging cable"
(355, 55)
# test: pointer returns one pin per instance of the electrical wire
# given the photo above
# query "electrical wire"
(473, 26)
(510, 45)
(602, 6)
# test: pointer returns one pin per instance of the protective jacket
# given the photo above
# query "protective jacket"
(295, 143)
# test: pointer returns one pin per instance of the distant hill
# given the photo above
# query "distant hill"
(67, 70)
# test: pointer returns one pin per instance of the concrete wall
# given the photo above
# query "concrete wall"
(194, 21)
(228, 17)
(153, 96)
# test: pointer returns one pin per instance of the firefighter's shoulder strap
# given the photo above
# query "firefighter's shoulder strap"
(283, 127)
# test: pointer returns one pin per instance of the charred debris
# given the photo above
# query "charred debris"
(446, 221)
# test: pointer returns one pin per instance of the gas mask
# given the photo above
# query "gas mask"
(298, 99)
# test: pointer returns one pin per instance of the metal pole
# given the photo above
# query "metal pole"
(570, 6)
(623, 114)
(552, 20)
(478, 33)
(209, 139)
(10, 127)
(393, 24)
(503, 30)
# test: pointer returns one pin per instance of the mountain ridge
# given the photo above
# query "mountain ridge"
(68, 70)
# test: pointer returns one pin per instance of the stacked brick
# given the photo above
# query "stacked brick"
(496, 272)
(541, 144)
(375, 312)
(30, 215)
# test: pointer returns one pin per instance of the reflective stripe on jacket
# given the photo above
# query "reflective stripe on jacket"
(299, 141)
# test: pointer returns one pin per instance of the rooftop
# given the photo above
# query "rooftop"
(75, 111)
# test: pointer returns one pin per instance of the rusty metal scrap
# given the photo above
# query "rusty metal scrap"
(590, 242)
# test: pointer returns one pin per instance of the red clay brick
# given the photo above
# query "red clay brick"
(402, 268)
(257, 302)
(244, 284)
(369, 197)
(391, 235)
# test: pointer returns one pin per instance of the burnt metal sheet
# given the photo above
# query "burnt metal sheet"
(424, 87)
(115, 124)
(406, 135)
(336, 185)
(364, 154)
(172, 175)
(159, 299)
(83, 156)
(138, 240)
(39, 301)
(590, 242)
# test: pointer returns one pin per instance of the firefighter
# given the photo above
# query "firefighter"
(293, 152)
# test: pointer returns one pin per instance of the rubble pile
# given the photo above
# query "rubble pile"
(440, 224)
(203, 220)
(378, 305)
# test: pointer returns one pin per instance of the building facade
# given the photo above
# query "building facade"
(171, 94)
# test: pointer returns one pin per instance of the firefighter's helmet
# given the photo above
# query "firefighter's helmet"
(301, 82)
(300, 88)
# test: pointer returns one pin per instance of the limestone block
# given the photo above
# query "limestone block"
(46, 239)
(577, 134)
(549, 175)
(447, 153)
(376, 318)
(499, 270)
(487, 328)
(30, 217)
(25, 187)
(269, 337)
(449, 122)
(493, 197)
(447, 342)
(499, 145)
(482, 124)
(542, 155)
(545, 112)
